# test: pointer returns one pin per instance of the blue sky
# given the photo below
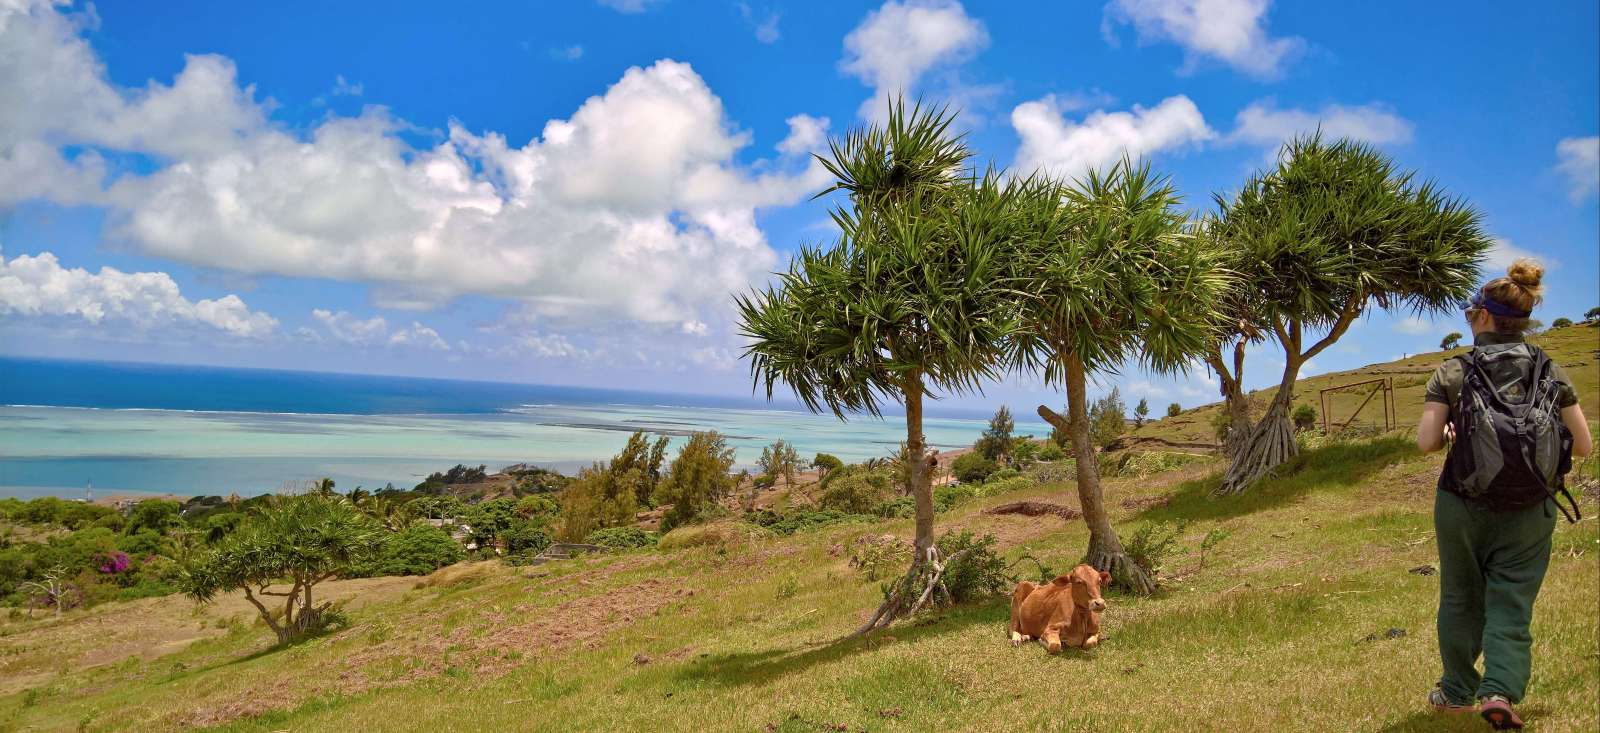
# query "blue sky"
(567, 192)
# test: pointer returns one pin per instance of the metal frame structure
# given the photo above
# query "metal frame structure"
(1382, 384)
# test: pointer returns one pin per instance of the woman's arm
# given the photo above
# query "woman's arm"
(1582, 442)
(1435, 427)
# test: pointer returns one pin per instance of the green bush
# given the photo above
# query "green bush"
(1051, 452)
(980, 572)
(1150, 544)
(622, 538)
(1174, 410)
(1137, 464)
(949, 496)
(901, 507)
(526, 537)
(993, 487)
(1002, 474)
(1024, 451)
(856, 491)
(878, 556)
(1054, 472)
(1561, 323)
(973, 467)
(802, 520)
(1304, 417)
(416, 550)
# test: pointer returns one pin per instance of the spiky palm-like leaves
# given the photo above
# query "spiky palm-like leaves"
(911, 302)
(1110, 274)
(1334, 227)
(298, 541)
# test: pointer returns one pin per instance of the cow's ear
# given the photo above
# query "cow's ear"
(1063, 580)
(1105, 578)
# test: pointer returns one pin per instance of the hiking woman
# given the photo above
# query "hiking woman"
(1511, 419)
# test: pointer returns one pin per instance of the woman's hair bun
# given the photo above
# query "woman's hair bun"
(1527, 273)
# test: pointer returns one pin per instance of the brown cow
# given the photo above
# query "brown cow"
(1066, 611)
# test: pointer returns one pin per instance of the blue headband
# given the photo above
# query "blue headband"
(1496, 307)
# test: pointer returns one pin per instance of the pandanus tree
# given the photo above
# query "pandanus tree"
(283, 550)
(1110, 275)
(909, 303)
(1333, 228)
(1239, 326)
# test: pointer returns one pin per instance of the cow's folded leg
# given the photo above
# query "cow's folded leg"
(1052, 641)
(1091, 642)
(1016, 638)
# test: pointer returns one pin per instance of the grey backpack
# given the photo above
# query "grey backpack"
(1511, 449)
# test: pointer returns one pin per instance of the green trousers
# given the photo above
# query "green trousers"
(1491, 565)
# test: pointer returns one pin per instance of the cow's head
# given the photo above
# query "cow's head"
(1084, 583)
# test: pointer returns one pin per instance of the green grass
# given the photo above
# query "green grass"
(1270, 635)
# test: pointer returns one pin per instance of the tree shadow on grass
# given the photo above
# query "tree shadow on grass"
(1341, 465)
(747, 668)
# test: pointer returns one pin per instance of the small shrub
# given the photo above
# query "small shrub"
(1003, 474)
(801, 520)
(722, 536)
(1051, 452)
(978, 573)
(1221, 423)
(1024, 451)
(1150, 544)
(973, 467)
(1053, 473)
(856, 491)
(1561, 323)
(788, 587)
(1304, 417)
(950, 496)
(1210, 542)
(621, 538)
(1137, 464)
(1014, 483)
(903, 507)
(1174, 410)
(878, 556)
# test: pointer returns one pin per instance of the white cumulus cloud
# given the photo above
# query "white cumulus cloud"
(1054, 142)
(37, 285)
(342, 327)
(633, 209)
(1579, 161)
(895, 45)
(1263, 123)
(1231, 31)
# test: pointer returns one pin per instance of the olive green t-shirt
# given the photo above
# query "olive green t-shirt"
(1444, 386)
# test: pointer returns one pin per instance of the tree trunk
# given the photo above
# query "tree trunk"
(1231, 386)
(917, 477)
(1105, 549)
(1271, 441)
(916, 588)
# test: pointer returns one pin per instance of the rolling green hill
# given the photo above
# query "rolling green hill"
(1310, 615)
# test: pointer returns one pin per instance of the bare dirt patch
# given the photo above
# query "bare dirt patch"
(1036, 509)
(1141, 503)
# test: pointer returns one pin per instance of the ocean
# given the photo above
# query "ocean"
(67, 427)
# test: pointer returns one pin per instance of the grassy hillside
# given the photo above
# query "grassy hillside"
(1573, 347)
(1307, 617)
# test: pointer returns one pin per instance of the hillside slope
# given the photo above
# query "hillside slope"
(1573, 347)
(1307, 617)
